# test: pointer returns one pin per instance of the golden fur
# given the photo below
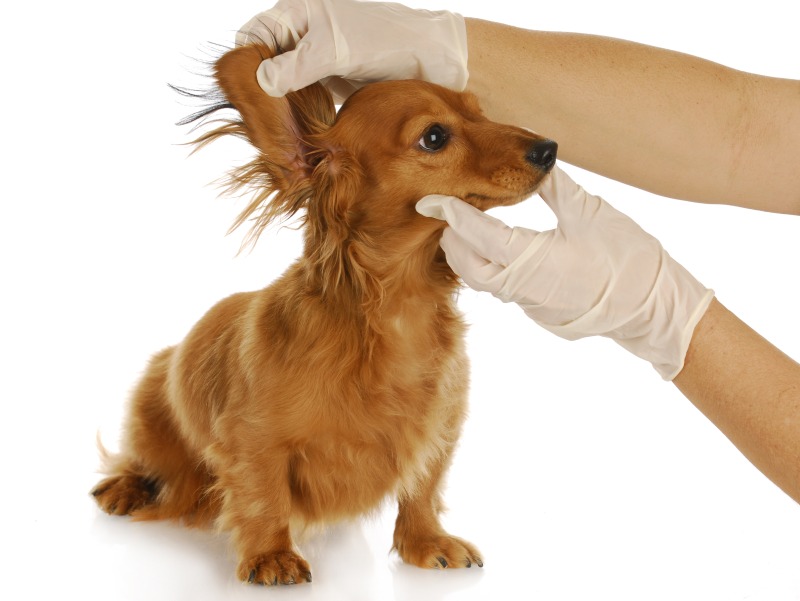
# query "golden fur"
(345, 380)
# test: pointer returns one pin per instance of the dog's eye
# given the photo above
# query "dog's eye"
(434, 139)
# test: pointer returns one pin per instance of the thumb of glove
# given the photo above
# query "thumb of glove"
(291, 71)
(480, 248)
(486, 235)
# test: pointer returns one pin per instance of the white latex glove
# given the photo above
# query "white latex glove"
(597, 273)
(346, 44)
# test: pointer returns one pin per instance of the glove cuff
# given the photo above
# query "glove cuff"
(670, 366)
(449, 69)
(663, 328)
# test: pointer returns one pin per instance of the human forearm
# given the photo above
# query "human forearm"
(750, 390)
(667, 122)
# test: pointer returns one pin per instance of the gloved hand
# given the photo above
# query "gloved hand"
(597, 273)
(347, 43)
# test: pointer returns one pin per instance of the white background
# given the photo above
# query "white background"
(580, 473)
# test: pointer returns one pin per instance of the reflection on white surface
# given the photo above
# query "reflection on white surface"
(349, 561)
(580, 474)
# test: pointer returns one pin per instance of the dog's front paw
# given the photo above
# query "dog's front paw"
(443, 551)
(280, 567)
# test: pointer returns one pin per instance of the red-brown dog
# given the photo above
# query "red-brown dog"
(345, 380)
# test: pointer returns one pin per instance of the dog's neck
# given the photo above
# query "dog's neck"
(379, 274)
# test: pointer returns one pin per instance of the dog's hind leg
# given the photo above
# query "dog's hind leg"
(155, 476)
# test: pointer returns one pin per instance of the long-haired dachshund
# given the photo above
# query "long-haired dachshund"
(345, 380)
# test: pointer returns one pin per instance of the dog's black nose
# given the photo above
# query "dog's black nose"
(543, 155)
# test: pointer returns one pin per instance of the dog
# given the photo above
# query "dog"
(344, 382)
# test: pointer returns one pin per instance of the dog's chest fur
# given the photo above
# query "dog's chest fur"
(375, 427)
(355, 412)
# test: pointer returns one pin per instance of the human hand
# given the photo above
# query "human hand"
(347, 43)
(597, 273)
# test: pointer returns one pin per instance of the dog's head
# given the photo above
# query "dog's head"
(390, 144)
(415, 138)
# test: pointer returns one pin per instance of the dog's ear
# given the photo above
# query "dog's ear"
(280, 128)
(336, 180)
(301, 164)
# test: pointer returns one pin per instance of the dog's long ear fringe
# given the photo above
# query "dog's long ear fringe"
(280, 128)
(210, 99)
(213, 100)
(282, 184)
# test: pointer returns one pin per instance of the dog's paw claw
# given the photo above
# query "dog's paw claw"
(442, 551)
(123, 495)
(272, 569)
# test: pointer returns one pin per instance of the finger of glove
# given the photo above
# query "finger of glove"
(566, 199)
(477, 272)
(341, 88)
(292, 70)
(487, 236)
(284, 24)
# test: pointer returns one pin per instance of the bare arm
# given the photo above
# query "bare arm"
(670, 123)
(750, 390)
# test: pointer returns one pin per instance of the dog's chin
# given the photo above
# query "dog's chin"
(484, 203)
